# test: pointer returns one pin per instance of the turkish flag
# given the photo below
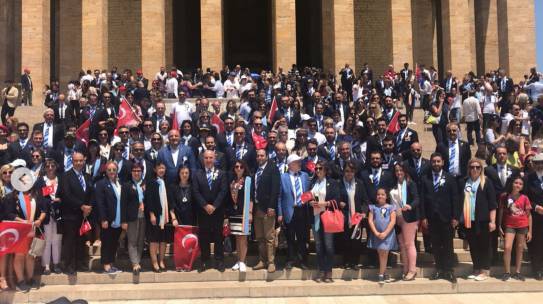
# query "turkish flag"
(310, 165)
(273, 109)
(82, 133)
(48, 190)
(394, 125)
(175, 125)
(218, 123)
(259, 141)
(126, 116)
(185, 247)
(15, 237)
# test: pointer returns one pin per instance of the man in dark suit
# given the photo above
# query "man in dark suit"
(500, 175)
(52, 133)
(289, 112)
(341, 106)
(456, 153)
(151, 154)
(440, 212)
(174, 156)
(533, 186)
(448, 83)
(405, 137)
(63, 111)
(221, 161)
(505, 84)
(267, 184)
(210, 187)
(159, 116)
(390, 157)
(226, 140)
(27, 86)
(17, 147)
(64, 151)
(345, 156)
(138, 150)
(241, 149)
(389, 110)
(75, 194)
(328, 150)
(375, 177)
(308, 163)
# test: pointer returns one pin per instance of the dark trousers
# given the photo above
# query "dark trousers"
(486, 120)
(535, 246)
(474, 126)
(409, 109)
(210, 231)
(297, 233)
(6, 111)
(441, 234)
(110, 243)
(438, 131)
(478, 238)
(351, 248)
(72, 244)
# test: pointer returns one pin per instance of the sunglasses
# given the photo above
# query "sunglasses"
(475, 167)
(239, 133)
(123, 132)
(112, 170)
(7, 172)
(318, 169)
(22, 130)
(238, 167)
(138, 150)
(36, 156)
(258, 124)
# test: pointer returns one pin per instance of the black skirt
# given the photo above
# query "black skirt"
(155, 234)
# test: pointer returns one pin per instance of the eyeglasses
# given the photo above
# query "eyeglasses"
(22, 130)
(318, 169)
(102, 134)
(111, 170)
(239, 133)
(475, 167)
(238, 167)
(123, 132)
(137, 150)
(258, 124)
(36, 156)
(7, 172)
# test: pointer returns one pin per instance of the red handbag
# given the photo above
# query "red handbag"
(85, 227)
(306, 197)
(333, 219)
(356, 218)
(226, 230)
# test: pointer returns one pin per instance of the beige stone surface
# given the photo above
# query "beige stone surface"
(212, 34)
(338, 34)
(35, 40)
(10, 48)
(402, 33)
(153, 32)
(70, 40)
(458, 52)
(124, 34)
(516, 36)
(486, 34)
(94, 32)
(424, 33)
(283, 34)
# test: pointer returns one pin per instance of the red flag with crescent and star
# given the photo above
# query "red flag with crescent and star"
(185, 247)
(394, 125)
(82, 132)
(15, 237)
(218, 123)
(126, 116)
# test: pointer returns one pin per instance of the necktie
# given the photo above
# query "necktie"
(257, 176)
(229, 139)
(417, 166)
(82, 181)
(436, 182)
(298, 189)
(375, 179)
(46, 136)
(125, 152)
(332, 152)
(69, 162)
(61, 112)
(153, 154)
(503, 175)
(239, 152)
(452, 158)
(209, 178)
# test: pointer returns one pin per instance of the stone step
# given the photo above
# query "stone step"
(212, 275)
(256, 289)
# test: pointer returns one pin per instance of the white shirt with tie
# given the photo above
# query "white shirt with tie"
(456, 160)
(49, 129)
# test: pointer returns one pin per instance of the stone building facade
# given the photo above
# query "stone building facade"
(58, 38)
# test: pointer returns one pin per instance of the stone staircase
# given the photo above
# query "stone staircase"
(95, 286)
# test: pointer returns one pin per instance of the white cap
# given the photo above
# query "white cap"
(292, 158)
(538, 157)
(18, 163)
(305, 117)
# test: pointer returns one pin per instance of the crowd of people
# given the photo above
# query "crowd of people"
(288, 148)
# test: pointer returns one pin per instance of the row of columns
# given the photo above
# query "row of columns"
(476, 35)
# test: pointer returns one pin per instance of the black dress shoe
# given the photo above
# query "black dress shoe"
(451, 277)
(289, 265)
(435, 276)
(220, 266)
(347, 266)
(202, 267)
(56, 269)
(304, 266)
(70, 271)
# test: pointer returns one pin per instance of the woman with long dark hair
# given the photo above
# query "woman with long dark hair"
(181, 198)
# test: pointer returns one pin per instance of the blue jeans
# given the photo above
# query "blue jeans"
(324, 244)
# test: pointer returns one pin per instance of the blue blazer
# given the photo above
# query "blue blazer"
(106, 201)
(185, 155)
(285, 206)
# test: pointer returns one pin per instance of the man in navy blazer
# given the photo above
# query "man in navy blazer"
(210, 187)
(175, 155)
(295, 213)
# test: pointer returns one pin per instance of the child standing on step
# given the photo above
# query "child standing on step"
(382, 219)
(515, 222)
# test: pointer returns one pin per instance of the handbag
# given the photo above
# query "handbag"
(356, 218)
(38, 245)
(226, 230)
(85, 227)
(432, 120)
(333, 220)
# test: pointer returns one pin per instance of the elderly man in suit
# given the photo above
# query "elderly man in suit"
(210, 187)
(267, 185)
(75, 192)
(175, 155)
(52, 133)
(27, 86)
(456, 153)
(294, 212)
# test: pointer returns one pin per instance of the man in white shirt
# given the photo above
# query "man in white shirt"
(182, 109)
(231, 86)
(472, 116)
(172, 86)
(161, 75)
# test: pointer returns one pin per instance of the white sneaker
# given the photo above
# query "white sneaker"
(242, 267)
(472, 276)
(235, 267)
(481, 277)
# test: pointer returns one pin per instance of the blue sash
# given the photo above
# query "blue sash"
(245, 225)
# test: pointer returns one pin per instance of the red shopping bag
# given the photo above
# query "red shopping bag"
(85, 227)
(333, 219)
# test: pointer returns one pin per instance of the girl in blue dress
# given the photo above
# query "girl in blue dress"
(382, 218)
